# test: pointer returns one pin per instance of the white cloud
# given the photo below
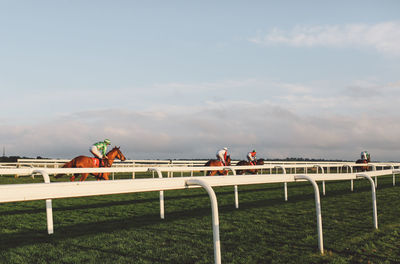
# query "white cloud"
(384, 37)
(276, 131)
(282, 120)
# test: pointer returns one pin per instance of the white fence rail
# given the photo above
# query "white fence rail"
(56, 163)
(57, 190)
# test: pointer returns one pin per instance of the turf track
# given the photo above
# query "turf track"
(265, 229)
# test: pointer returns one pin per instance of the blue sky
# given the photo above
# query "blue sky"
(181, 79)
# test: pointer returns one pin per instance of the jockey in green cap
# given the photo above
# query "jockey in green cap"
(99, 149)
(365, 156)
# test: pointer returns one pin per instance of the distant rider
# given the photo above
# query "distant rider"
(99, 149)
(251, 157)
(221, 155)
(365, 156)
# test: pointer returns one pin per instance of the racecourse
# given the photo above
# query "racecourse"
(127, 228)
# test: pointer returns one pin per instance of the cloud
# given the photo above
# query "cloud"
(384, 37)
(275, 131)
(283, 120)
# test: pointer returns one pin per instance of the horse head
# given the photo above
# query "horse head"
(228, 160)
(116, 152)
(120, 156)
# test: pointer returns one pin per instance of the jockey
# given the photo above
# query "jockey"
(99, 149)
(251, 157)
(365, 155)
(221, 155)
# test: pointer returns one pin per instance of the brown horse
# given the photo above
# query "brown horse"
(89, 162)
(361, 168)
(217, 163)
(247, 163)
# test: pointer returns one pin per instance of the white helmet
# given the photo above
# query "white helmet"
(225, 148)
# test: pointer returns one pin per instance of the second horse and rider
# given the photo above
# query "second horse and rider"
(223, 159)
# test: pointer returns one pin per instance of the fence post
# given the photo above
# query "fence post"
(49, 207)
(351, 171)
(374, 208)
(133, 172)
(285, 183)
(376, 178)
(159, 173)
(215, 216)
(318, 210)
(235, 188)
(323, 182)
(393, 174)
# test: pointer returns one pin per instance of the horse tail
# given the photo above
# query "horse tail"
(69, 164)
(208, 164)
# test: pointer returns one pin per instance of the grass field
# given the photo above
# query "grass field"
(265, 229)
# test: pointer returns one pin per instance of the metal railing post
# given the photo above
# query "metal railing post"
(393, 174)
(159, 173)
(323, 182)
(351, 171)
(49, 206)
(133, 172)
(285, 183)
(235, 187)
(374, 208)
(215, 216)
(376, 178)
(318, 209)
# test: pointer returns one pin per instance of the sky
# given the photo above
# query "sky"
(182, 79)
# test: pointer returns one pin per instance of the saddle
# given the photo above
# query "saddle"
(99, 162)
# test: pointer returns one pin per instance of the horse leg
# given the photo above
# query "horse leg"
(84, 176)
(105, 176)
(72, 178)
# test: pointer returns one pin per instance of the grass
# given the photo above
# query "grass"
(265, 229)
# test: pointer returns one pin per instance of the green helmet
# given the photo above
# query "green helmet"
(107, 141)
(254, 150)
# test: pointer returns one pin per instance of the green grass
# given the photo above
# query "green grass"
(265, 229)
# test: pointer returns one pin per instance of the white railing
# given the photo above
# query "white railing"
(56, 190)
(55, 163)
(291, 167)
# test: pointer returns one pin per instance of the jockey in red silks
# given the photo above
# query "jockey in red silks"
(99, 149)
(251, 157)
(221, 155)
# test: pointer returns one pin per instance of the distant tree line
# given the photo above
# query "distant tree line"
(306, 159)
(15, 158)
